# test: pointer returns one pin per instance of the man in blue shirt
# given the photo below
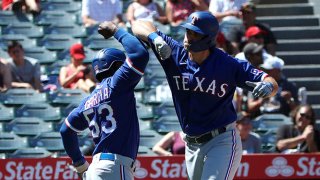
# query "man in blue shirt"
(203, 80)
(109, 111)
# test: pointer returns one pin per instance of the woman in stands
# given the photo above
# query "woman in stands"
(302, 135)
(171, 144)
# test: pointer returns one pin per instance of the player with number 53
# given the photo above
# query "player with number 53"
(109, 111)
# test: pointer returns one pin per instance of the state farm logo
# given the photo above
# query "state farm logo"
(140, 173)
(160, 168)
(279, 167)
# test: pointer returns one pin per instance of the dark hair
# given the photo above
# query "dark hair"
(13, 44)
(295, 111)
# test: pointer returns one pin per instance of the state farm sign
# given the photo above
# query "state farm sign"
(37, 169)
(258, 166)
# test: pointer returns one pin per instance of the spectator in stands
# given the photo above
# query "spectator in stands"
(178, 11)
(32, 6)
(255, 35)
(301, 136)
(146, 10)
(251, 142)
(248, 20)
(25, 71)
(5, 76)
(287, 96)
(227, 12)
(225, 45)
(253, 53)
(97, 11)
(76, 75)
(171, 144)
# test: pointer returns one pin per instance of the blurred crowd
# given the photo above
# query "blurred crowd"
(241, 35)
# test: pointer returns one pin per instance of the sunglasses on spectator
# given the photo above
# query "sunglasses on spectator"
(304, 115)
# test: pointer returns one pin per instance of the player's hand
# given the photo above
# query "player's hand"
(261, 89)
(162, 48)
(107, 29)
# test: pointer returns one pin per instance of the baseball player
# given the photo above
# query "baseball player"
(203, 80)
(109, 111)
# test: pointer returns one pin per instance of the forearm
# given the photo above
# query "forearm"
(290, 142)
(70, 143)
(133, 47)
(142, 29)
(312, 146)
(274, 84)
(160, 151)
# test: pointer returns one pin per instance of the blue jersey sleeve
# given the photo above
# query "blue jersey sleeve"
(248, 73)
(76, 121)
(132, 70)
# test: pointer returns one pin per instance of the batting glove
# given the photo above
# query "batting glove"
(261, 89)
(162, 48)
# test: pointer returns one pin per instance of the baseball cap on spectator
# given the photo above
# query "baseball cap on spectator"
(77, 51)
(248, 7)
(252, 48)
(273, 62)
(253, 31)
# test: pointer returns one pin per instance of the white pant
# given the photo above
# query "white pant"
(217, 159)
(120, 168)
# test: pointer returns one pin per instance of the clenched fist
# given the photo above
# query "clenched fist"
(107, 29)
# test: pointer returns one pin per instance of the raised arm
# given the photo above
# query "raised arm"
(142, 29)
(147, 32)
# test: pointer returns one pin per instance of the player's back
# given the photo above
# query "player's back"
(112, 119)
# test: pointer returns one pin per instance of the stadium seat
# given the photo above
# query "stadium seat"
(144, 111)
(28, 126)
(268, 148)
(6, 113)
(144, 125)
(90, 54)
(97, 42)
(30, 153)
(47, 18)
(57, 42)
(22, 39)
(42, 54)
(63, 5)
(67, 96)
(17, 97)
(166, 124)
(164, 109)
(9, 17)
(67, 109)
(271, 121)
(149, 97)
(267, 135)
(25, 28)
(73, 30)
(153, 80)
(10, 142)
(44, 111)
(149, 138)
(48, 140)
(145, 151)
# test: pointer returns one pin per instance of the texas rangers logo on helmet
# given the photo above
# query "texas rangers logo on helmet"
(194, 19)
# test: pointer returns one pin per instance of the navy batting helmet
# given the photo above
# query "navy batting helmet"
(202, 22)
(106, 62)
